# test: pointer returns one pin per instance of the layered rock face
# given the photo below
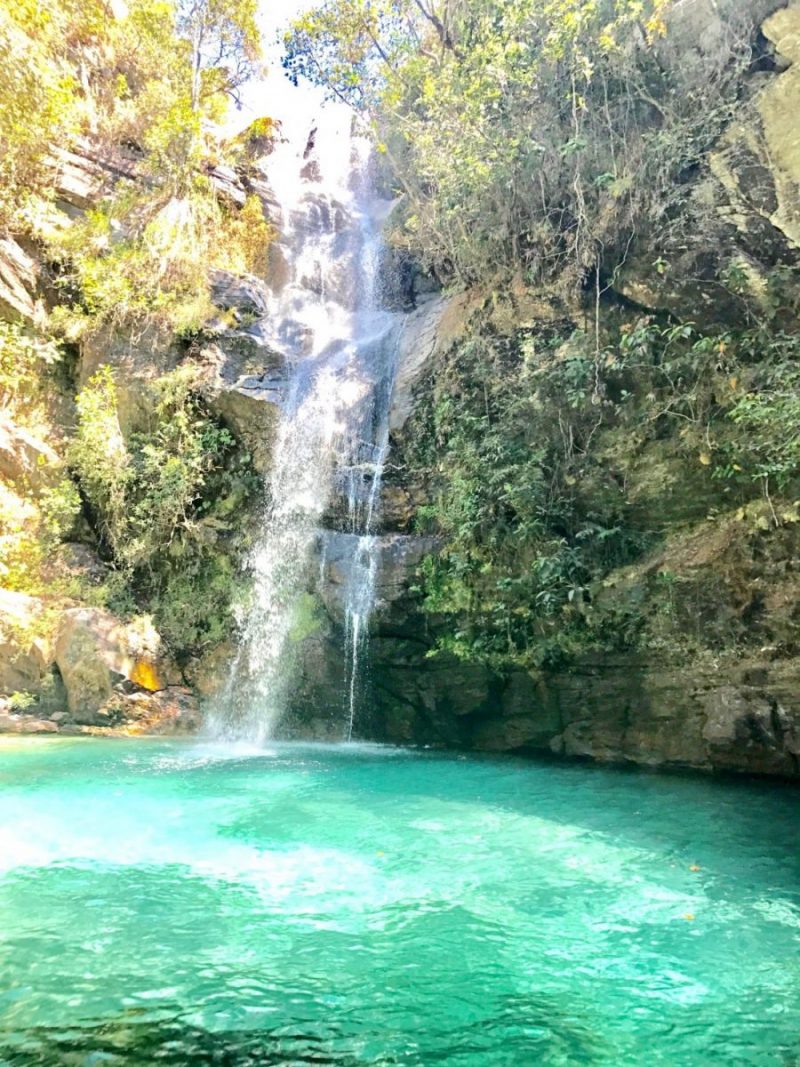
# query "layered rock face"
(608, 708)
(736, 710)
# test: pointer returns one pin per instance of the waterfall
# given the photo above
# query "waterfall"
(338, 346)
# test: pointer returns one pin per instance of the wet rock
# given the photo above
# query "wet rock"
(9, 723)
(398, 559)
(270, 204)
(173, 710)
(208, 674)
(746, 728)
(244, 385)
(253, 418)
(38, 726)
(244, 294)
(609, 709)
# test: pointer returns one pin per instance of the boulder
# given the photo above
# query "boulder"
(26, 643)
(95, 652)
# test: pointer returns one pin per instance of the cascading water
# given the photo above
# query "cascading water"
(338, 346)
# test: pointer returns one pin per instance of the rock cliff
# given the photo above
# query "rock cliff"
(721, 698)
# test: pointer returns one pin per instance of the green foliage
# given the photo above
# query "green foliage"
(60, 506)
(519, 547)
(307, 619)
(101, 458)
(537, 450)
(21, 700)
(225, 45)
(769, 420)
(26, 358)
(527, 136)
(163, 501)
(40, 89)
(145, 86)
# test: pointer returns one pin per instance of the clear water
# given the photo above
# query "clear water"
(170, 903)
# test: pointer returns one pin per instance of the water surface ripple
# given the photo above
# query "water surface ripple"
(172, 903)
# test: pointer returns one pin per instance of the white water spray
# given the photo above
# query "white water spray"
(338, 347)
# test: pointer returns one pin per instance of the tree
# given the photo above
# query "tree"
(529, 136)
(225, 45)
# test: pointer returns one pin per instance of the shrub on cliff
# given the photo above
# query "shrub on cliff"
(551, 465)
(144, 86)
(525, 135)
(163, 501)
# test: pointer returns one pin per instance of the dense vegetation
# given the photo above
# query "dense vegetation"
(546, 148)
(527, 137)
(140, 87)
(549, 470)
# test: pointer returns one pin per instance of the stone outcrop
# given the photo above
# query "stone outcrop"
(19, 280)
(244, 294)
(243, 384)
(83, 173)
(398, 558)
(741, 716)
(95, 652)
(778, 108)
(25, 460)
(741, 207)
(26, 643)
(419, 342)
